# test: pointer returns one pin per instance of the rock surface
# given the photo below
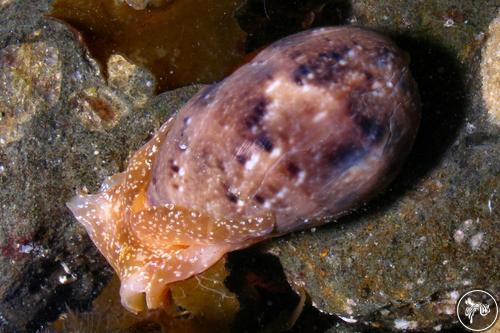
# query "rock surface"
(398, 263)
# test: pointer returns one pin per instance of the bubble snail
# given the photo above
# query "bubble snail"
(316, 124)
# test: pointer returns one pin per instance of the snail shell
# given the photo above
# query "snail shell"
(317, 123)
(314, 125)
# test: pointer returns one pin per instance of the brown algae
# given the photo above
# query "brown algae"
(182, 42)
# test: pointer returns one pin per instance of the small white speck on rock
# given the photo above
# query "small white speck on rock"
(449, 23)
(402, 324)
(350, 320)
(476, 241)
(458, 235)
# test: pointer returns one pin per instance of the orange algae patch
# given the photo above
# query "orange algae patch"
(182, 42)
(196, 305)
(209, 305)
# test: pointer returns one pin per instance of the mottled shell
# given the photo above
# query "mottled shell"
(316, 124)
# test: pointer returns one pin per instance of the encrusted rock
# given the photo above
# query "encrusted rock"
(136, 83)
(490, 70)
(30, 82)
(99, 108)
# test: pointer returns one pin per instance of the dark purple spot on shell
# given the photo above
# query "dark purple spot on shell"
(241, 159)
(232, 197)
(332, 55)
(173, 166)
(220, 165)
(322, 69)
(384, 57)
(259, 198)
(265, 142)
(370, 127)
(292, 169)
(256, 114)
(346, 156)
(301, 73)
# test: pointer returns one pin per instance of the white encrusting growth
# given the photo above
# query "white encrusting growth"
(252, 162)
(281, 194)
(301, 177)
(319, 116)
(306, 87)
(273, 86)
(276, 152)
